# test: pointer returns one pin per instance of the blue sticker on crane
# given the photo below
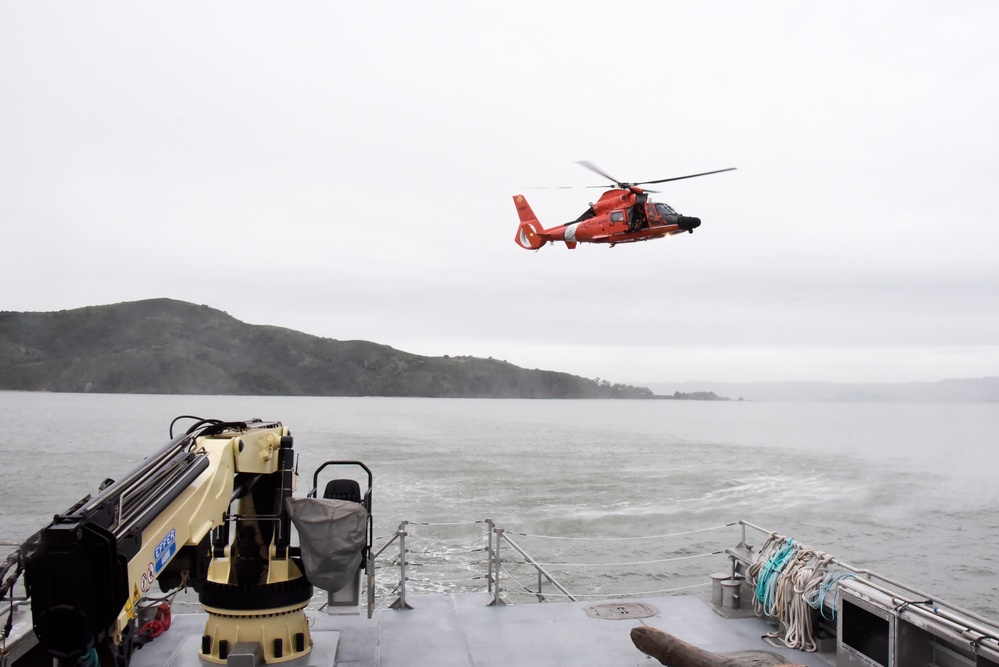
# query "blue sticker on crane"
(165, 550)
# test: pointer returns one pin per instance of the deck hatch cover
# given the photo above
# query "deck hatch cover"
(756, 658)
(619, 611)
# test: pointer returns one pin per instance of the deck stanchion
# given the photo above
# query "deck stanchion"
(497, 600)
(370, 567)
(489, 556)
(400, 603)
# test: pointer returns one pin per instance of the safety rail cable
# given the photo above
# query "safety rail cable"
(416, 559)
(471, 542)
(403, 561)
(449, 565)
(445, 579)
(439, 584)
(628, 538)
(455, 554)
(448, 523)
(921, 603)
(633, 562)
(456, 540)
(540, 565)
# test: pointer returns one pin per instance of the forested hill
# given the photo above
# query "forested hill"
(163, 346)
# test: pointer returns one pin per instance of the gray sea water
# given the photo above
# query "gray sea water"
(909, 490)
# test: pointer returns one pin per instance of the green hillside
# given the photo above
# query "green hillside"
(163, 346)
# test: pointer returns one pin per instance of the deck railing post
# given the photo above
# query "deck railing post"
(400, 603)
(370, 567)
(489, 554)
(497, 600)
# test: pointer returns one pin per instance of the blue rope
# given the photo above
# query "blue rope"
(89, 659)
(818, 600)
(766, 585)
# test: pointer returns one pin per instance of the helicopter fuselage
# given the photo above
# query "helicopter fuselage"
(619, 216)
(623, 214)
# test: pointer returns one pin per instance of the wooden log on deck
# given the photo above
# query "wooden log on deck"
(674, 652)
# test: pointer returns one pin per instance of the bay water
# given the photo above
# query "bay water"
(617, 497)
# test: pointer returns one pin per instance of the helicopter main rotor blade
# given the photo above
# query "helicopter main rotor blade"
(680, 178)
(594, 168)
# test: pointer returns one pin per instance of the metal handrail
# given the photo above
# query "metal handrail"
(973, 627)
(494, 564)
(495, 535)
(870, 577)
(542, 572)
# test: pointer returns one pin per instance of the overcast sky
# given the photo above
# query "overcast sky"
(347, 170)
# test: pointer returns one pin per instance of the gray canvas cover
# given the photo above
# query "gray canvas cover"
(332, 534)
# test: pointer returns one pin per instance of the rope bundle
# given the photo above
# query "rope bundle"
(790, 581)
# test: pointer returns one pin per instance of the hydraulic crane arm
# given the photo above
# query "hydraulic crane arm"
(88, 569)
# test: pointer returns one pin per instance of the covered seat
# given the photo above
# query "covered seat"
(333, 536)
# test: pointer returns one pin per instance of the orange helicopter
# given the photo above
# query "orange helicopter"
(622, 215)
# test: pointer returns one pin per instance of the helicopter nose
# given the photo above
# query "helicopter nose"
(683, 222)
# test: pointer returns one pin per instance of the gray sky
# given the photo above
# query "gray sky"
(346, 170)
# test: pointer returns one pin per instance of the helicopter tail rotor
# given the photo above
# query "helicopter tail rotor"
(528, 236)
(529, 233)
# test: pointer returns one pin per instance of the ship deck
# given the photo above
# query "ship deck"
(444, 630)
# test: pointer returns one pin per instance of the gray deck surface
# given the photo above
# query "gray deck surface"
(461, 629)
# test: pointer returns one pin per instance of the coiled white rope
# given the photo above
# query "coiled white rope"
(790, 582)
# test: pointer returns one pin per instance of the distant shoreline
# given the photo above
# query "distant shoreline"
(691, 396)
(957, 390)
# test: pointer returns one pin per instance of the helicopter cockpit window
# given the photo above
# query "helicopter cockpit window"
(665, 209)
(617, 216)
